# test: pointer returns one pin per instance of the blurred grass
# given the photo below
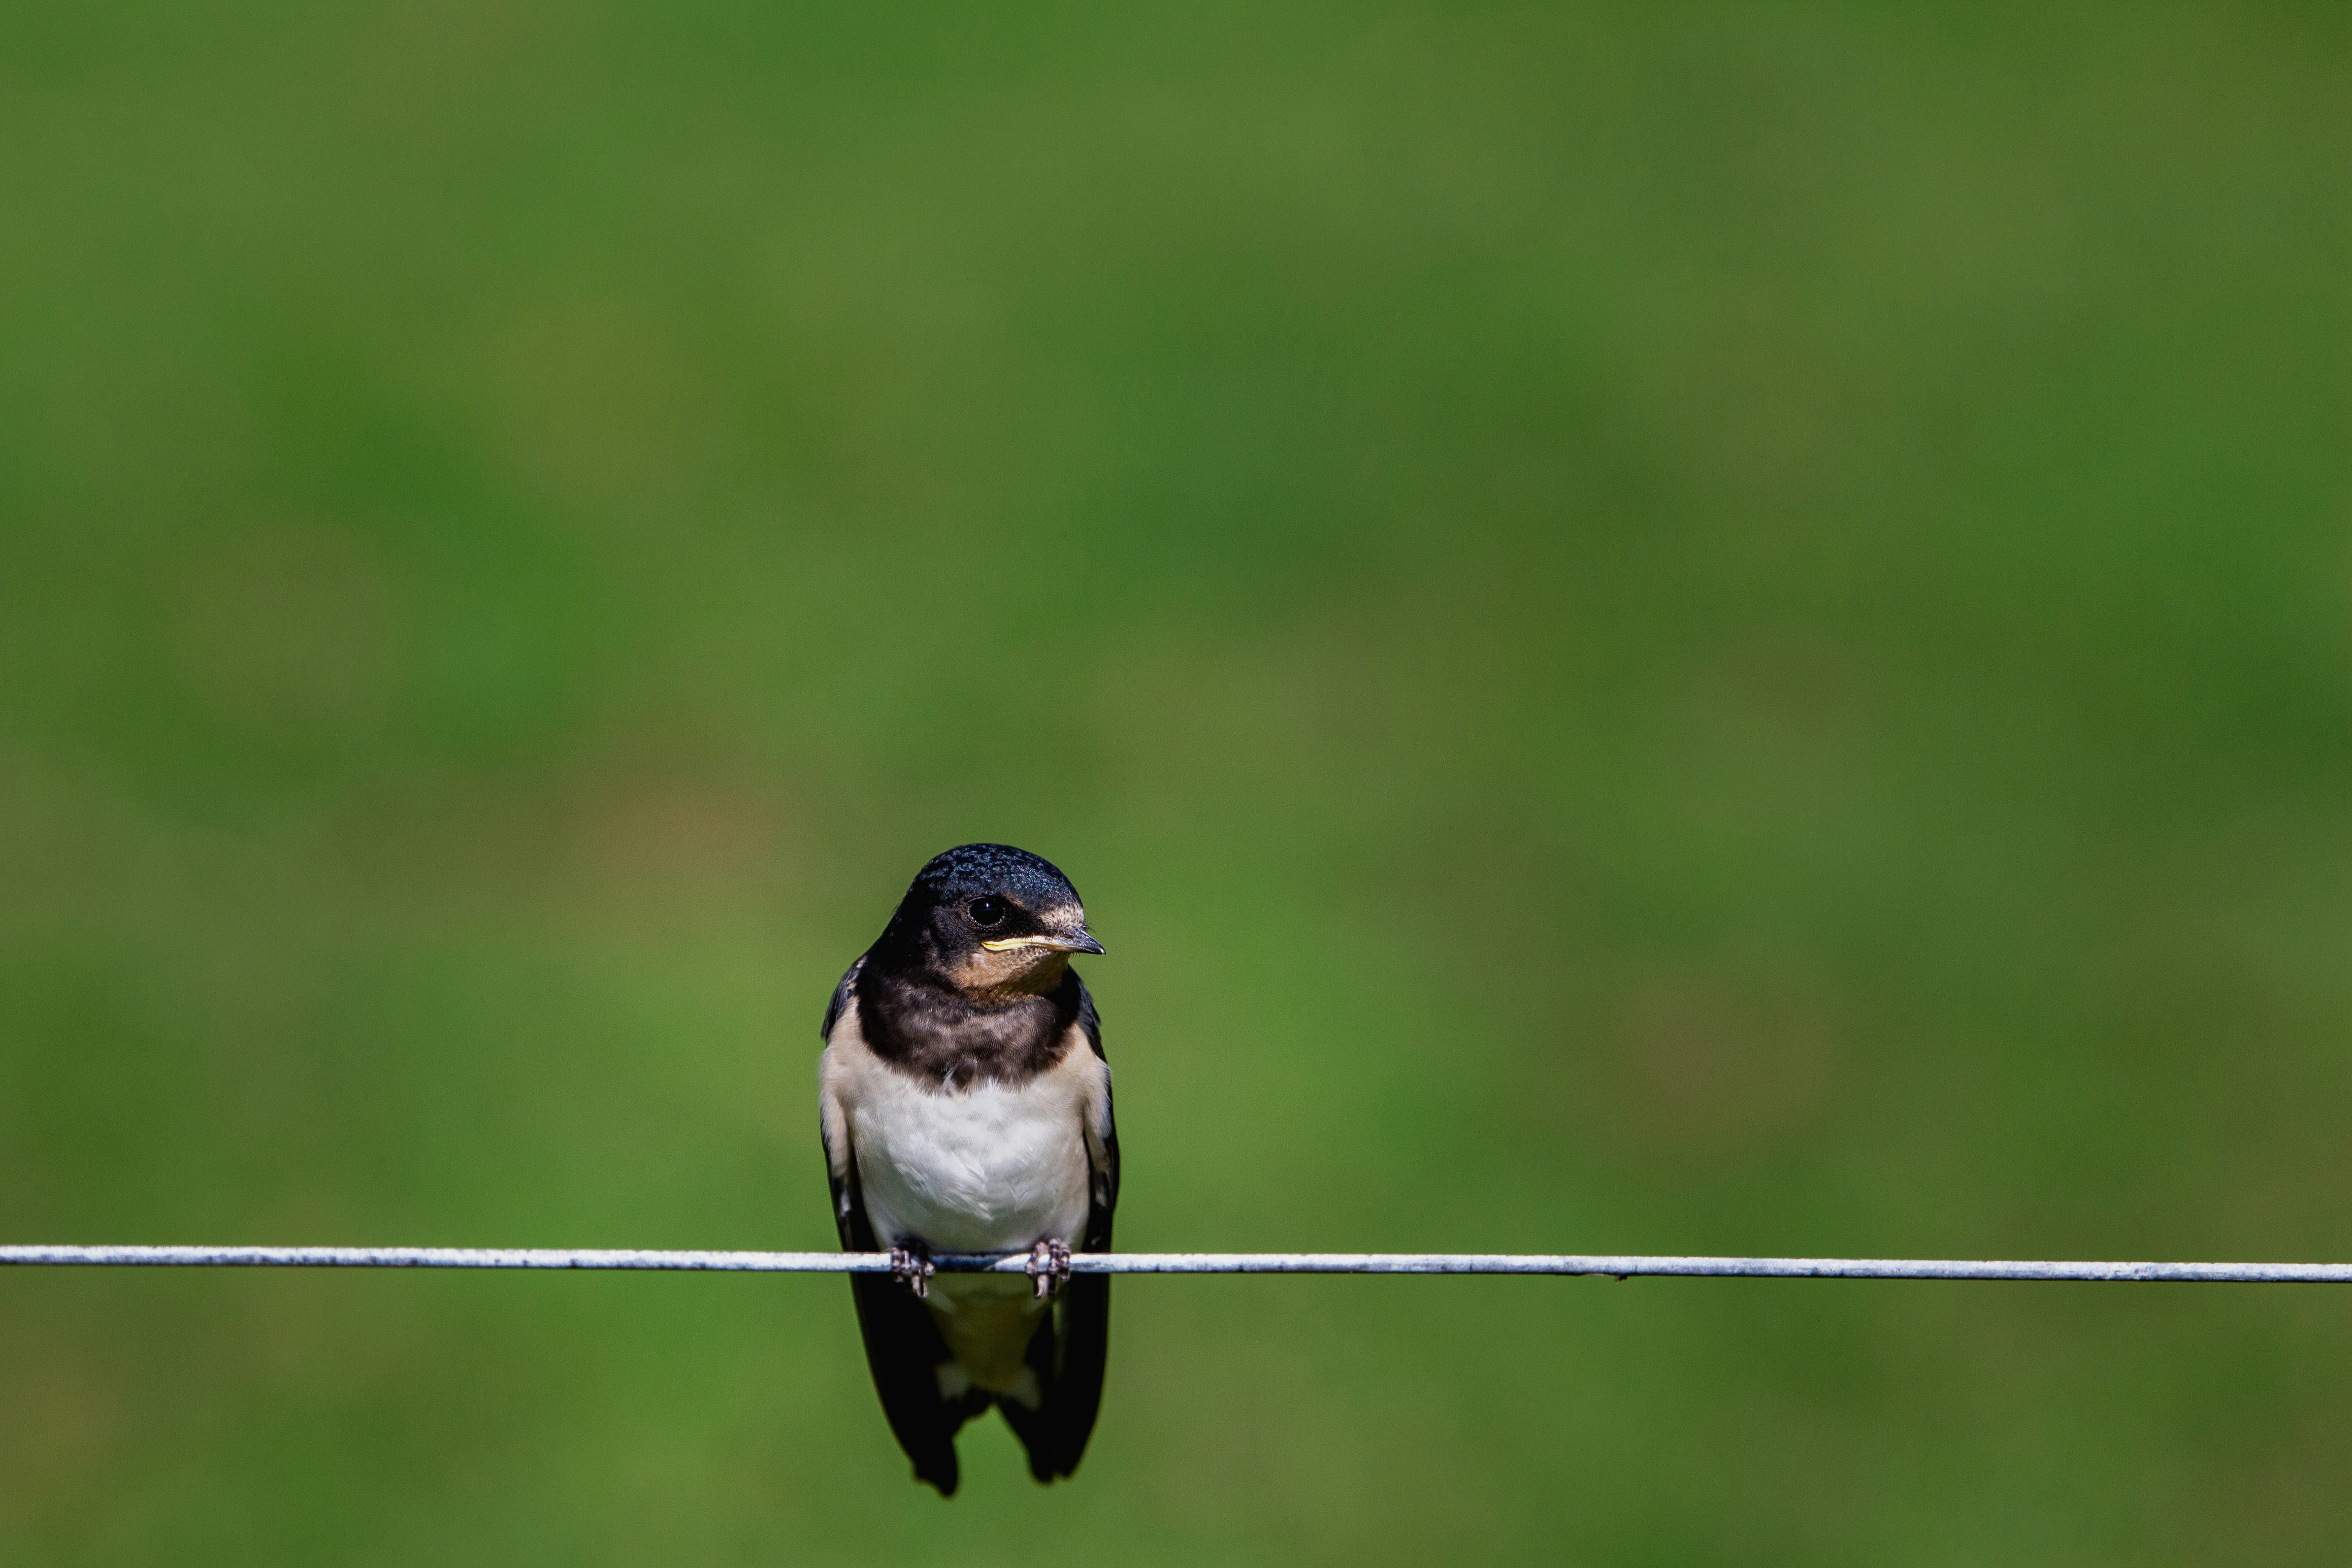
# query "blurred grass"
(1670, 629)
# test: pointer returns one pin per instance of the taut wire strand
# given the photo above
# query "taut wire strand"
(1181, 1263)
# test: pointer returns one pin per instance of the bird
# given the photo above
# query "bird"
(965, 1106)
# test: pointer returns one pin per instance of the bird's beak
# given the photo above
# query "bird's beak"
(1080, 941)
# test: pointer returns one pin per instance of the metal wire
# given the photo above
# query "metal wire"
(1178, 1263)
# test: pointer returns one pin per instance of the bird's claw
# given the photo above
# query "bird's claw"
(912, 1267)
(1049, 1266)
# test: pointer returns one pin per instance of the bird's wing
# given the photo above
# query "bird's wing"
(839, 1005)
(1069, 1350)
(1102, 1142)
(903, 1348)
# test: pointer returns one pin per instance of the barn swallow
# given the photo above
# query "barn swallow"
(965, 1107)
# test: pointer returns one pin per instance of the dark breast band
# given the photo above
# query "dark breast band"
(949, 1038)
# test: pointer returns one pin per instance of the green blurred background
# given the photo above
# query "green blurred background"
(1658, 628)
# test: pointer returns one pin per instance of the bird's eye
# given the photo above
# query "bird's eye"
(986, 912)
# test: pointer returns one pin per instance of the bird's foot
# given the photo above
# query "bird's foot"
(1049, 1265)
(912, 1266)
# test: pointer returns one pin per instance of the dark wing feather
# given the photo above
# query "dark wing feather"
(903, 1351)
(1070, 1349)
(840, 1003)
(903, 1348)
(1104, 1196)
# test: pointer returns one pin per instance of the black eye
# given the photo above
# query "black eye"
(986, 912)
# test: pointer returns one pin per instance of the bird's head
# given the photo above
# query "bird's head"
(989, 919)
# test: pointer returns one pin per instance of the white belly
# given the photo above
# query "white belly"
(985, 1169)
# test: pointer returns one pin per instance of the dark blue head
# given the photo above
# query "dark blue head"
(988, 917)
